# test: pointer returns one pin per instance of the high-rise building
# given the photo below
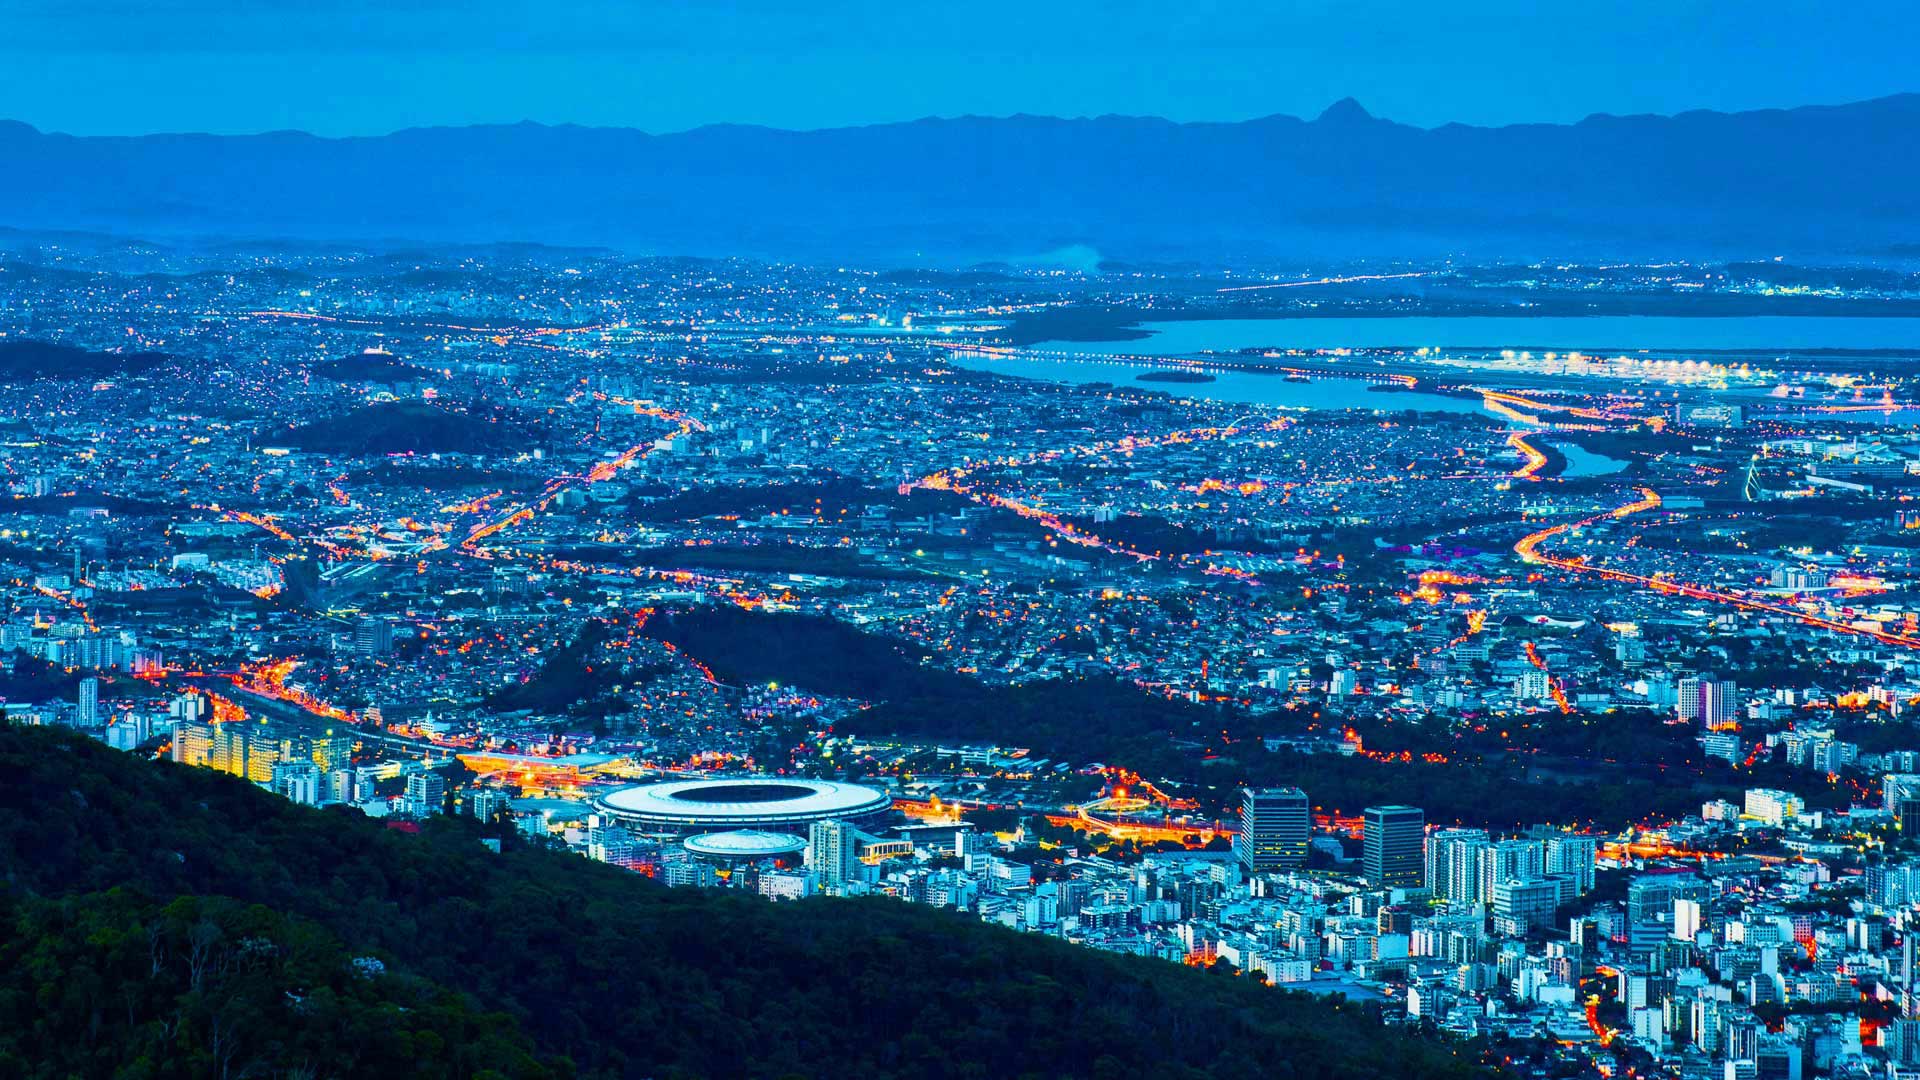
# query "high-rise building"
(1651, 896)
(1909, 817)
(188, 706)
(1532, 686)
(833, 852)
(1570, 853)
(1451, 864)
(299, 781)
(1712, 702)
(487, 804)
(1773, 806)
(1508, 860)
(373, 636)
(228, 752)
(263, 753)
(1687, 918)
(426, 794)
(332, 750)
(128, 732)
(1897, 789)
(1275, 825)
(1394, 846)
(1519, 906)
(192, 742)
(611, 842)
(682, 872)
(1630, 650)
(338, 786)
(87, 706)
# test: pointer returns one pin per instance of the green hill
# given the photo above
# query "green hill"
(31, 361)
(411, 427)
(161, 921)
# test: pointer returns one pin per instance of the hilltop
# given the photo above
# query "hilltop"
(32, 361)
(410, 427)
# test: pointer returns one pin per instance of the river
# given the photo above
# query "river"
(1584, 462)
(1235, 386)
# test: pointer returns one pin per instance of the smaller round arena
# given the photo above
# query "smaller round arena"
(744, 846)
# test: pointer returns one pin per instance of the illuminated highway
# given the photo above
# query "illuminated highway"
(1529, 551)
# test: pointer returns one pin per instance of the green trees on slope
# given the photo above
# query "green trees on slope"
(114, 984)
(605, 973)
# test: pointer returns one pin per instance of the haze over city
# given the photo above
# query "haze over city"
(951, 541)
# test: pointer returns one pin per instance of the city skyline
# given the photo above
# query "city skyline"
(1345, 594)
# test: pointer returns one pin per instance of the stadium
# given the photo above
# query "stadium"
(741, 846)
(690, 807)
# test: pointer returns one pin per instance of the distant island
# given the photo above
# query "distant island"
(1174, 377)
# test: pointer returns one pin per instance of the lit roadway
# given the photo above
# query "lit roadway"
(601, 472)
(955, 480)
(1529, 551)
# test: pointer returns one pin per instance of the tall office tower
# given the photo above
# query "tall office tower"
(188, 706)
(1451, 863)
(1394, 841)
(1509, 860)
(487, 804)
(1651, 896)
(192, 742)
(87, 706)
(1712, 702)
(332, 750)
(1630, 650)
(1686, 704)
(228, 752)
(1687, 919)
(263, 753)
(338, 787)
(1576, 855)
(373, 636)
(1275, 824)
(611, 842)
(833, 852)
(426, 794)
(299, 781)
(1899, 789)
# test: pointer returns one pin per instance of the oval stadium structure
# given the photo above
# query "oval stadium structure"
(744, 845)
(684, 807)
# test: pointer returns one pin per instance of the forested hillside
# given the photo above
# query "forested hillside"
(161, 921)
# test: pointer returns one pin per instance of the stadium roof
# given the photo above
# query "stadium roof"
(741, 803)
(744, 844)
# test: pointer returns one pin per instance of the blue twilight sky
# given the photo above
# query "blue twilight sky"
(370, 66)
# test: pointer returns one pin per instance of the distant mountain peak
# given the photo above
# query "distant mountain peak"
(981, 188)
(1345, 111)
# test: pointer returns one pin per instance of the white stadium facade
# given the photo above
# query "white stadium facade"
(689, 807)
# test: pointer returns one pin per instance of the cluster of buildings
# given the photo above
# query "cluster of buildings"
(371, 519)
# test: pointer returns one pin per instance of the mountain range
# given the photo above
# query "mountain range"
(1817, 179)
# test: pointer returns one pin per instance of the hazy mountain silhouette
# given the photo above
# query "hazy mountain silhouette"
(1827, 178)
